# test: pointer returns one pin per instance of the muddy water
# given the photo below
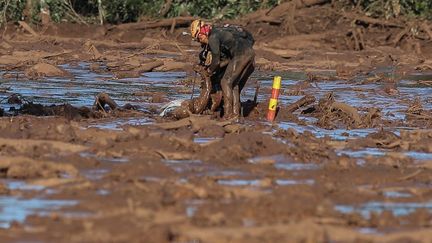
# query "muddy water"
(397, 209)
(354, 93)
(83, 88)
(18, 206)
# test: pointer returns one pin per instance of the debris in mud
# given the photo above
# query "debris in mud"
(14, 99)
(381, 139)
(416, 110)
(45, 70)
(102, 100)
(305, 101)
(331, 114)
(184, 108)
(66, 110)
(91, 48)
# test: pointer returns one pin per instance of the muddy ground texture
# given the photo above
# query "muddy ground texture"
(349, 158)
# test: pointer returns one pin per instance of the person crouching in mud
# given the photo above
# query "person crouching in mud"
(236, 45)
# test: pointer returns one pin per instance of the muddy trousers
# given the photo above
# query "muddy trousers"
(236, 75)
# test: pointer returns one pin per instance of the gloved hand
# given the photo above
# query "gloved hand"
(209, 72)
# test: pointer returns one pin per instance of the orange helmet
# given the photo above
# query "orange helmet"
(196, 27)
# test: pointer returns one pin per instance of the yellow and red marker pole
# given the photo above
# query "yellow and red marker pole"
(271, 114)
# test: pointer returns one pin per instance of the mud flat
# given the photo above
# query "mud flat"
(347, 160)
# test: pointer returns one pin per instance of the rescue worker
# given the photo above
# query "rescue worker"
(235, 44)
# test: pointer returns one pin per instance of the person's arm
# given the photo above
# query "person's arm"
(214, 45)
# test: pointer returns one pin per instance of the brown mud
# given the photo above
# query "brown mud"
(85, 156)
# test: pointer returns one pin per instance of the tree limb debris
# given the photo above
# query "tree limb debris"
(306, 100)
(103, 99)
(351, 111)
(372, 21)
(28, 28)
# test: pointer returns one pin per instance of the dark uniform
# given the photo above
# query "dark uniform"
(235, 44)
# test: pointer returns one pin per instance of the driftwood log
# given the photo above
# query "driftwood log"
(305, 101)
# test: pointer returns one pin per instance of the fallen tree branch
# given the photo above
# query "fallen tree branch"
(103, 99)
(28, 28)
(400, 36)
(373, 21)
(306, 100)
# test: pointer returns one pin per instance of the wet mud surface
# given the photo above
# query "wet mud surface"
(124, 175)
(348, 158)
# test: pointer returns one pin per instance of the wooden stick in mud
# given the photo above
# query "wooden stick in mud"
(306, 100)
(103, 99)
(257, 88)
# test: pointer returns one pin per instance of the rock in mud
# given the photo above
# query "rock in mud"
(45, 70)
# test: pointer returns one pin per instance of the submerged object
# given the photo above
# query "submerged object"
(183, 108)
(171, 106)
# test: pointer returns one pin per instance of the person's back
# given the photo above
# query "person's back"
(228, 41)
(233, 39)
(240, 32)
